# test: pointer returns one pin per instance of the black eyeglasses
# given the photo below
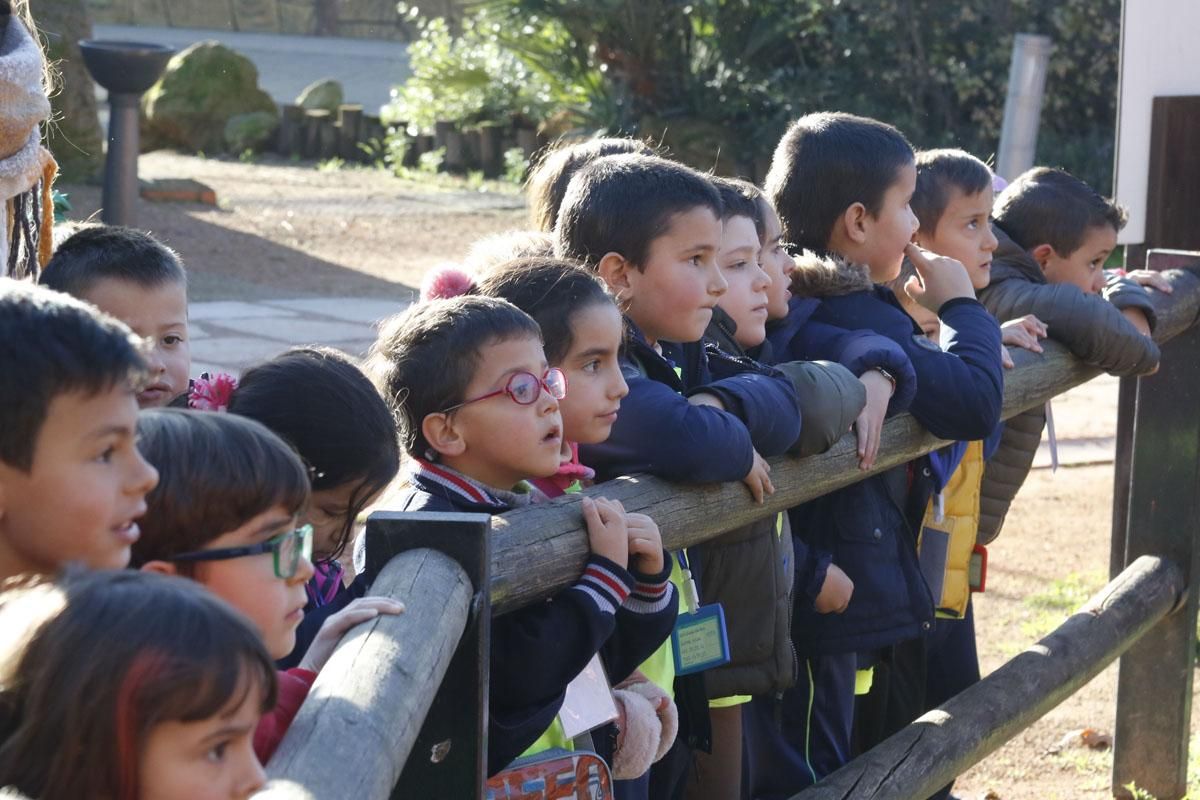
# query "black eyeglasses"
(287, 549)
(524, 388)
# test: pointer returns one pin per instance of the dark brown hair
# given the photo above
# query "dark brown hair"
(548, 181)
(551, 290)
(1050, 206)
(216, 472)
(127, 651)
(425, 358)
(939, 172)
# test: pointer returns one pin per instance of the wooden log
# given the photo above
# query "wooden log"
(455, 159)
(355, 731)
(491, 152)
(1154, 687)
(540, 550)
(327, 141)
(314, 120)
(947, 741)
(291, 130)
(472, 144)
(349, 128)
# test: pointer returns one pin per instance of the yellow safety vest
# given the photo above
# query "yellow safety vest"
(946, 545)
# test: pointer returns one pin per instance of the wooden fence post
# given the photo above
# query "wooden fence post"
(449, 758)
(1154, 691)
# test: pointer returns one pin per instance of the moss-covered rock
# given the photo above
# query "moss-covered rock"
(253, 131)
(323, 94)
(202, 88)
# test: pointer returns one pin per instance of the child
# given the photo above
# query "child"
(651, 229)
(126, 685)
(952, 202)
(72, 483)
(1055, 233)
(478, 411)
(549, 179)
(137, 279)
(842, 186)
(226, 514)
(318, 401)
(749, 570)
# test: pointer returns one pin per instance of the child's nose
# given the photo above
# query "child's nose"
(619, 388)
(304, 571)
(155, 361)
(143, 476)
(716, 281)
(252, 777)
(761, 280)
(990, 242)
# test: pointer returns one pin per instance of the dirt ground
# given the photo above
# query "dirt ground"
(288, 230)
(285, 229)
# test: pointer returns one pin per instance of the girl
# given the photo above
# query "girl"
(127, 685)
(582, 332)
(227, 512)
(318, 401)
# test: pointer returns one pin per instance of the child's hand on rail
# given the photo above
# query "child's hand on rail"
(645, 544)
(758, 479)
(868, 428)
(607, 529)
(1023, 332)
(356, 612)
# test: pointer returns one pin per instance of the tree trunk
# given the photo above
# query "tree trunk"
(74, 135)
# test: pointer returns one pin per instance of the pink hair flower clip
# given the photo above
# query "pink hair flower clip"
(212, 393)
(998, 184)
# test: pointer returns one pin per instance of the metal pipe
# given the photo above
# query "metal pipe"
(120, 166)
(1023, 104)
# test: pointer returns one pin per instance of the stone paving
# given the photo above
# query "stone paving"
(229, 336)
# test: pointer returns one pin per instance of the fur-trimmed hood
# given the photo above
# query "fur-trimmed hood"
(828, 276)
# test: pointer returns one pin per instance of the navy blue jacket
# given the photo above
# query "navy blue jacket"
(659, 432)
(539, 649)
(870, 527)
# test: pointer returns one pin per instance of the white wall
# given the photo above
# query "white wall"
(1160, 56)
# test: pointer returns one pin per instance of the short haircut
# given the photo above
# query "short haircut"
(216, 472)
(939, 172)
(621, 204)
(1050, 206)
(425, 358)
(499, 248)
(322, 404)
(824, 164)
(102, 658)
(111, 252)
(549, 180)
(741, 198)
(550, 290)
(50, 345)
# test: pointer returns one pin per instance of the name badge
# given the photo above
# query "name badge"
(699, 641)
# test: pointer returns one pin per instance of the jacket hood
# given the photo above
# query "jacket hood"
(827, 276)
(1012, 261)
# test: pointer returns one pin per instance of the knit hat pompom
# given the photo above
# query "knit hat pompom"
(446, 282)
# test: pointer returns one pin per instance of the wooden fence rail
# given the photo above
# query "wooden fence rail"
(358, 728)
(944, 743)
(549, 542)
(354, 733)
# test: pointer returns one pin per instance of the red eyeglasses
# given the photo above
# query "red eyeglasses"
(524, 388)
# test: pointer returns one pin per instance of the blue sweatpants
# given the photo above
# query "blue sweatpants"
(792, 741)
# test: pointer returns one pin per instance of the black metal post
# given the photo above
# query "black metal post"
(1154, 691)
(449, 758)
(120, 166)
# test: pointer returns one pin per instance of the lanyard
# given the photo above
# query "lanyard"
(691, 595)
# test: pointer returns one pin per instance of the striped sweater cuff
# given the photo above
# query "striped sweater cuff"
(607, 583)
(652, 593)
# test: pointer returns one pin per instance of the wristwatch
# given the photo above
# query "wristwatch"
(890, 378)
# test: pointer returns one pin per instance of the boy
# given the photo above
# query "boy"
(651, 229)
(478, 410)
(72, 483)
(137, 279)
(1055, 234)
(842, 185)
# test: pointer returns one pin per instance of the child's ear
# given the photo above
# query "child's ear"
(159, 567)
(614, 270)
(1042, 255)
(439, 430)
(854, 223)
